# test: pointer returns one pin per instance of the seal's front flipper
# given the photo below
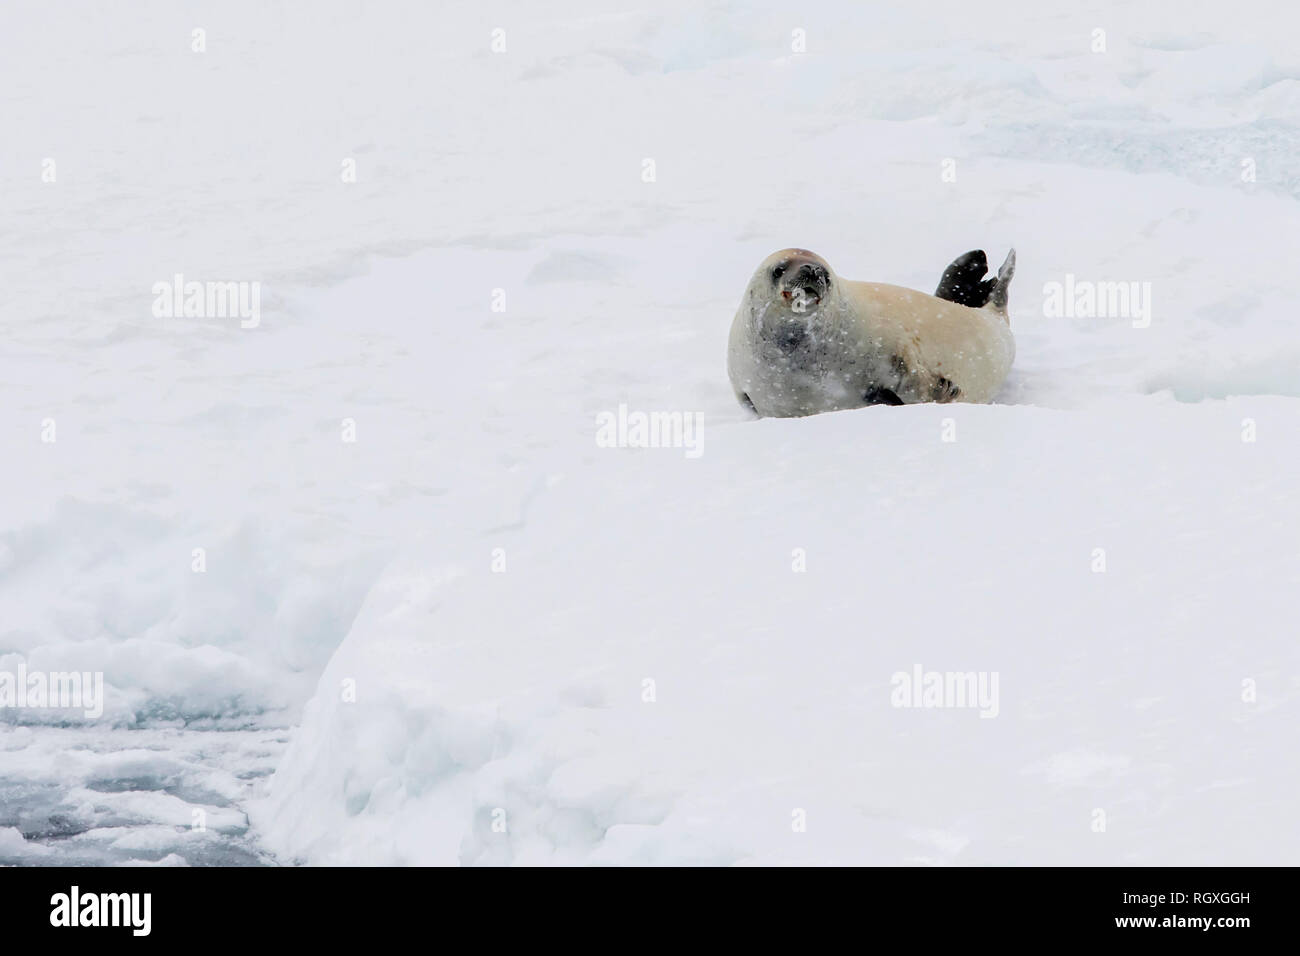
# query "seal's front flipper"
(882, 396)
(963, 282)
(944, 390)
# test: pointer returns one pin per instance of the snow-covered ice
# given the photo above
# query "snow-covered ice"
(452, 619)
(152, 796)
(524, 692)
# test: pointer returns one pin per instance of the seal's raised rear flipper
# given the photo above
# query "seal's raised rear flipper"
(998, 297)
(963, 282)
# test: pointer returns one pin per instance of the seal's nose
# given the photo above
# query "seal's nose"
(806, 286)
(810, 277)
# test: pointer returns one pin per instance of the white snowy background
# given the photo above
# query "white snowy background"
(484, 696)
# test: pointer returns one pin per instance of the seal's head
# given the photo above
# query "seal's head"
(798, 279)
(789, 299)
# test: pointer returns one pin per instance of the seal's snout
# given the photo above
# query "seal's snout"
(799, 279)
(805, 285)
(810, 275)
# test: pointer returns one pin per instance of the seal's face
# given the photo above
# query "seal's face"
(789, 299)
(800, 279)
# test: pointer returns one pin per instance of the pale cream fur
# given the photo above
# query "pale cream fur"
(862, 336)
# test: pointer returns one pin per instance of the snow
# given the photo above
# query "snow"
(521, 691)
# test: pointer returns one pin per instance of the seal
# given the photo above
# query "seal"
(806, 341)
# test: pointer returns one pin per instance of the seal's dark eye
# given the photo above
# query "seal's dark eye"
(778, 272)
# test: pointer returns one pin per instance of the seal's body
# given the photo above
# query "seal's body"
(806, 341)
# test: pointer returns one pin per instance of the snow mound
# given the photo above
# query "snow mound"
(651, 678)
